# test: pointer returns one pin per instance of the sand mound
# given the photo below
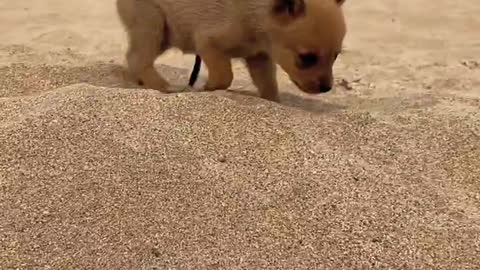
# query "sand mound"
(110, 178)
(382, 173)
(21, 79)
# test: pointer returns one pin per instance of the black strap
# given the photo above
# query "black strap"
(195, 70)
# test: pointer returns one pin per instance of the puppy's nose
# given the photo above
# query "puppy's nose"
(324, 88)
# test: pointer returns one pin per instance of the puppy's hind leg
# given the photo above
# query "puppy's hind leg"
(145, 28)
(262, 70)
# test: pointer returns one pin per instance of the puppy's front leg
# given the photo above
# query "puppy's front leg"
(262, 70)
(220, 74)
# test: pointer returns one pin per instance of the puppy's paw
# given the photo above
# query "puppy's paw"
(179, 89)
(219, 85)
(275, 98)
(150, 79)
(154, 84)
(271, 95)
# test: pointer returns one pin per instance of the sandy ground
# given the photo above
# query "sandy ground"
(383, 173)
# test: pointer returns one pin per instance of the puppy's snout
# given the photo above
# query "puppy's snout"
(316, 86)
(324, 84)
(324, 88)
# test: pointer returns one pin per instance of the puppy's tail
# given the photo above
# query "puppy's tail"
(195, 70)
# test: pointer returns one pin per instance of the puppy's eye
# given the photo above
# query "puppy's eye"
(307, 60)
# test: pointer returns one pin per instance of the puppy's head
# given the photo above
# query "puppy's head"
(307, 38)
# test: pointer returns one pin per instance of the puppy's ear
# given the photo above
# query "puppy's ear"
(285, 11)
(340, 2)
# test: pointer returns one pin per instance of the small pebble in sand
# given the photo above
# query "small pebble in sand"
(345, 84)
(156, 252)
(470, 64)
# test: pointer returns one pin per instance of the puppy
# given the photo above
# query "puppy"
(303, 36)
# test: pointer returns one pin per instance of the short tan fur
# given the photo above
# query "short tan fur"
(302, 36)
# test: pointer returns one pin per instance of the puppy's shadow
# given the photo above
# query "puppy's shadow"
(115, 76)
(112, 75)
(297, 102)
(175, 76)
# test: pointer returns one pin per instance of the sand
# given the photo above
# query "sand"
(382, 173)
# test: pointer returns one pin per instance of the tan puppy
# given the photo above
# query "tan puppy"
(303, 36)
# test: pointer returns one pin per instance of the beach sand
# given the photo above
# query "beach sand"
(382, 173)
